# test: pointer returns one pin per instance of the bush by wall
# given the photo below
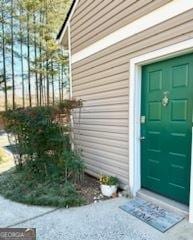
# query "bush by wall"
(43, 150)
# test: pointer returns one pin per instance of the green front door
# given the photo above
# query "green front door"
(166, 125)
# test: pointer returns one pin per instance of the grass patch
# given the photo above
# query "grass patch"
(16, 186)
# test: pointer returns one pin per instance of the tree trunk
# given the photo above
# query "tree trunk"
(4, 60)
(53, 89)
(12, 56)
(22, 65)
(35, 63)
(28, 61)
(59, 83)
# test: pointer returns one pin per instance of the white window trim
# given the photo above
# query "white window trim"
(157, 16)
(135, 111)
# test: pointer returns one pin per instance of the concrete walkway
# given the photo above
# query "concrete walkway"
(100, 221)
(3, 139)
(10, 160)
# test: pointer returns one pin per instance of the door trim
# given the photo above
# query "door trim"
(135, 111)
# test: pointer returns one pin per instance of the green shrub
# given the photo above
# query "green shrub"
(43, 144)
(46, 167)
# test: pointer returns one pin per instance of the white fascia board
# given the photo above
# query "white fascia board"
(59, 41)
(159, 15)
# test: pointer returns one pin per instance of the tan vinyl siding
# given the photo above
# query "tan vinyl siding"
(87, 9)
(81, 7)
(102, 81)
(158, 34)
(98, 20)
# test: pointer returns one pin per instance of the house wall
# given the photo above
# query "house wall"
(102, 81)
(94, 20)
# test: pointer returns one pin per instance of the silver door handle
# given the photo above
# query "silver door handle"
(142, 138)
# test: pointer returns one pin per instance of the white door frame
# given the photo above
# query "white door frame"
(135, 111)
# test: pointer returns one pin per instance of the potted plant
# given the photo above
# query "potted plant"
(108, 185)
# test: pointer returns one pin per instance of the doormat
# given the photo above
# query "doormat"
(152, 214)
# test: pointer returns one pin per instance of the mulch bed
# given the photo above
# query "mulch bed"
(89, 189)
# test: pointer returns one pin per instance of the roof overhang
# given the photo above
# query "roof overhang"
(62, 37)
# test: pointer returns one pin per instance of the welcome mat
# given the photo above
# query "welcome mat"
(152, 214)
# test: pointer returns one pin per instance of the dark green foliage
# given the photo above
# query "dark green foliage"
(46, 167)
(43, 145)
(73, 166)
(17, 186)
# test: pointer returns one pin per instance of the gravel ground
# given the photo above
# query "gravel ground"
(99, 221)
(89, 189)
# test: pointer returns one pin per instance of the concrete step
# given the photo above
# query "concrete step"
(164, 202)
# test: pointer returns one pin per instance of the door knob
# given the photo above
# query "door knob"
(142, 138)
(165, 99)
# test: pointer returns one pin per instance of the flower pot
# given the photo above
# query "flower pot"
(108, 190)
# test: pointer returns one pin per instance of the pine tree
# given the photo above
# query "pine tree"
(4, 76)
(28, 31)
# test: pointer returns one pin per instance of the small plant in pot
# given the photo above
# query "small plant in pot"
(108, 185)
